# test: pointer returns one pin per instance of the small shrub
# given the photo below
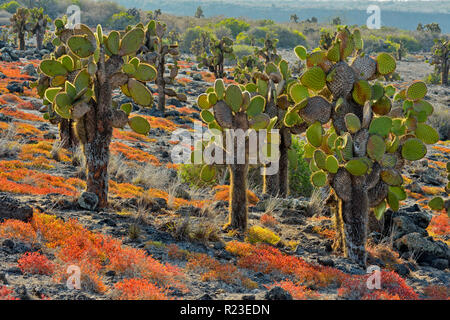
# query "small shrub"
(257, 234)
(299, 173)
(35, 263)
(268, 220)
(139, 289)
(5, 293)
(236, 26)
(242, 50)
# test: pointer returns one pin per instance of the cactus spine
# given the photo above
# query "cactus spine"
(80, 85)
(363, 152)
(233, 108)
(155, 52)
(220, 50)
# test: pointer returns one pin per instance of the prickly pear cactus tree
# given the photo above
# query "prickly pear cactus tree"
(269, 51)
(220, 49)
(273, 83)
(362, 153)
(156, 52)
(40, 23)
(233, 107)
(20, 24)
(80, 86)
(441, 58)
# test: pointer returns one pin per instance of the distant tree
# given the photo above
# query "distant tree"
(11, 6)
(153, 15)
(294, 18)
(433, 27)
(40, 22)
(135, 13)
(441, 58)
(336, 21)
(199, 13)
(314, 20)
(420, 27)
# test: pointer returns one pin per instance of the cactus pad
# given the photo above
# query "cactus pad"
(319, 179)
(352, 122)
(426, 133)
(362, 92)
(256, 106)
(437, 203)
(417, 90)
(413, 149)
(357, 167)
(140, 93)
(314, 78)
(364, 67)
(233, 97)
(381, 126)
(314, 134)
(386, 64)
(376, 147)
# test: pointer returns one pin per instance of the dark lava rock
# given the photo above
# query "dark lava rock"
(11, 208)
(277, 293)
(88, 201)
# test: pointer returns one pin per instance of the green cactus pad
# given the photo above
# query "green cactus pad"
(113, 42)
(399, 192)
(129, 68)
(208, 173)
(314, 134)
(423, 106)
(212, 98)
(251, 87)
(219, 88)
(203, 102)
(426, 133)
(233, 97)
(416, 91)
(314, 78)
(334, 53)
(381, 126)
(298, 93)
(362, 92)
(263, 88)
(52, 68)
(331, 164)
(256, 106)
(376, 147)
(386, 63)
(320, 159)
(51, 93)
(357, 167)
(301, 52)
(63, 111)
(81, 46)
(347, 146)
(393, 145)
(127, 108)
(207, 116)
(437, 203)
(63, 100)
(382, 106)
(380, 210)
(139, 125)
(131, 42)
(319, 179)
(388, 160)
(291, 118)
(393, 201)
(260, 121)
(67, 62)
(352, 122)
(391, 177)
(145, 72)
(140, 93)
(413, 149)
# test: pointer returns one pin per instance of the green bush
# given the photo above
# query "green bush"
(241, 50)
(288, 38)
(11, 6)
(236, 26)
(299, 174)
(190, 35)
(411, 44)
(190, 173)
(121, 20)
(374, 44)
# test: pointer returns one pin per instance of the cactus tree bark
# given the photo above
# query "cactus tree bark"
(238, 197)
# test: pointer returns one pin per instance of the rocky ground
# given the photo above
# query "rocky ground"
(152, 214)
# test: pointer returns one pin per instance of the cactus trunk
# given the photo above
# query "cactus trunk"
(284, 163)
(21, 37)
(271, 184)
(39, 39)
(445, 70)
(67, 134)
(351, 223)
(161, 83)
(238, 197)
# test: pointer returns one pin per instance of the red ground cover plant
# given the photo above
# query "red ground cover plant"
(268, 220)
(223, 194)
(298, 292)
(393, 287)
(5, 293)
(133, 153)
(13, 112)
(139, 289)
(437, 292)
(35, 263)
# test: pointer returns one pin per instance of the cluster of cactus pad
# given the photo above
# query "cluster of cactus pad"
(77, 83)
(362, 152)
(40, 23)
(233, 107)
(220, 49)
(155, 52)
(33, 21)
